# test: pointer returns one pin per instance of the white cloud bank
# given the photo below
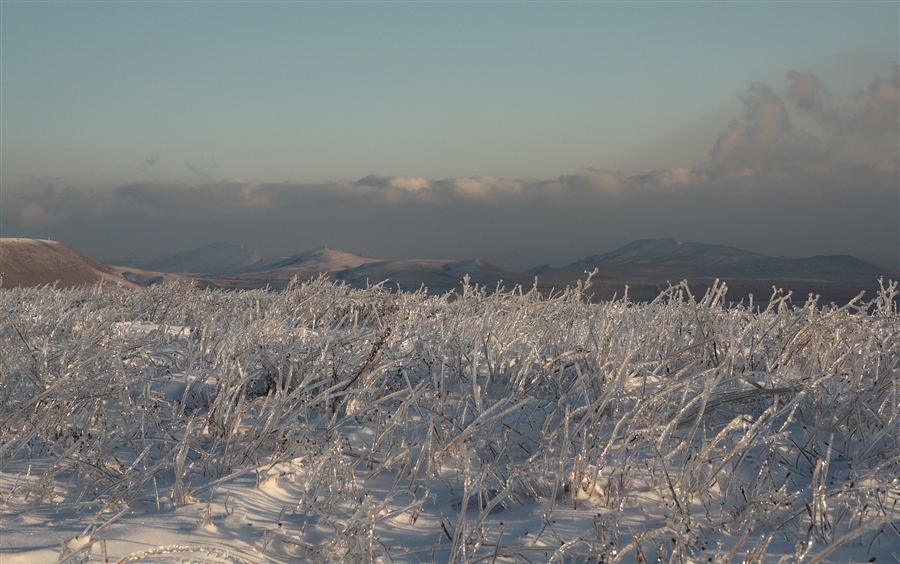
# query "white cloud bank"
(766, 187)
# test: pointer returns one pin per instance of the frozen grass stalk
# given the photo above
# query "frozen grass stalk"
(671, 431)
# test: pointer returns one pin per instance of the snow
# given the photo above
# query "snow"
(331, 424)
(318, 260)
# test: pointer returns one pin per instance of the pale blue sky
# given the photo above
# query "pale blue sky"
(96, 95)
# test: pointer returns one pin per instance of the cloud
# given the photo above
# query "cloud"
(807, 91)
(34, 214)
(877, 117)
(752, 139)
(763, 142)
(766, 187)
(514, 222)
(253, 197)
(671, 180)
(881, 113)
(408, 183)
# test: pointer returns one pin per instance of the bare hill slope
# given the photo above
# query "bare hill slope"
(36, 262)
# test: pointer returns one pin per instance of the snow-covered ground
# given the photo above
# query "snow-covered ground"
(324, 423)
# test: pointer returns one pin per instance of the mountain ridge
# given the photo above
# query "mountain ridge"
(215, 258)
(664, 252)
(325, 258)
(671, 257)
(645, 266)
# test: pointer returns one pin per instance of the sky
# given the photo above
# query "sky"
(520, 133)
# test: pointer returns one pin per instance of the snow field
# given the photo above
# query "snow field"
(330, 424)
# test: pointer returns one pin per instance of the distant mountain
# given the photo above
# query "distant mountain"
(314, 261)
(36, 262)
(829, 268)
(538, 270)
(357, 270)
(224, 264)
(669, 258)
(277, 273)
(646, 267)
(662, 253)
(215, 258)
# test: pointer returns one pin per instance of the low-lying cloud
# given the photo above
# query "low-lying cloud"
(767, 187)
(881, 113)
(751, 140)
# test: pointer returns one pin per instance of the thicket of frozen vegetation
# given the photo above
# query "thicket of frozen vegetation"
(325, 423)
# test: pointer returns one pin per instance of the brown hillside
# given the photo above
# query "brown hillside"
(36, 262)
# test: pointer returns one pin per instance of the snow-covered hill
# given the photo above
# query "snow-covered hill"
(313, 261)
(360, 271)
(215, 258)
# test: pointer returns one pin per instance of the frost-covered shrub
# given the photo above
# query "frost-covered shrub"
(680, 428)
